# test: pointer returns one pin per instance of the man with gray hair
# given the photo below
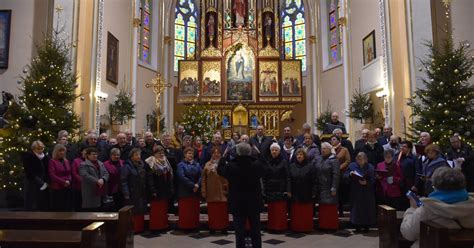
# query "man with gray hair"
(245, 195)
(387, 133)
(462, 156)
(394, 144)
(306, 128)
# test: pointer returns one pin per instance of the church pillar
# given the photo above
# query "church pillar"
(399, 83)
(344, 19)
(312, 95)
(134, 59)
(168, 62)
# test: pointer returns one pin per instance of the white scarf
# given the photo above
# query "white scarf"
(40, 156)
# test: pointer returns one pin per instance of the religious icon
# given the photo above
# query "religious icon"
(240, 11)
(211, 27)
(188, 84)
(240, 73)
(369, 47)
(268, 26)
(112, 58)
(268, 78)
(253, 121)
(291, 79)
(225, 121)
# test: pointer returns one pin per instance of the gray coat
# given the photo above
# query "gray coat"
(91, 198)
(327, 171)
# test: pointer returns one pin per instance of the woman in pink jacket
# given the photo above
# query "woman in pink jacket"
(60, 176)
(76, 181)
(389, 176)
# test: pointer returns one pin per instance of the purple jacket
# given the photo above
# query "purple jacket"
(59, 173)
(114, 176)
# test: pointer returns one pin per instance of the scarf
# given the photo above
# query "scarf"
(40, 156)
(159, 167)
(450, 196)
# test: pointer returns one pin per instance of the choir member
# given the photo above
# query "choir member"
(94, 179)
(60, 176)
(36, 180)
(114, 166)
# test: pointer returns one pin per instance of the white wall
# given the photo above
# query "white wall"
(21, 42)
(462, 21)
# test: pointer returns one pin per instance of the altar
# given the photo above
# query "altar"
(240, 71)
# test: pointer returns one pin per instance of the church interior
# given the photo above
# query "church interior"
(168, 75)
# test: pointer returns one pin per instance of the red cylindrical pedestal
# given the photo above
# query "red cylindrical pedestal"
(328, 216)
(188, 213)
(139, 223)
(301, 217)
(218, 215)
(277, 216)
(158, 214)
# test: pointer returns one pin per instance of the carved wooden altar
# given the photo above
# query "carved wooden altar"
(239, 72)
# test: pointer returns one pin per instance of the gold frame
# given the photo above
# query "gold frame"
(268, 65)
(188, 68)
(292, 69)
(213, 67)
(268, 51)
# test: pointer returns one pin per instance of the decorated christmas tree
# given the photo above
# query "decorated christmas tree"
(197, 120)
(44, 107)
(444, 106)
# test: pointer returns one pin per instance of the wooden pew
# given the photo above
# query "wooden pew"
(89, 237)
(118, 226)
(433, 235)
(389, 221)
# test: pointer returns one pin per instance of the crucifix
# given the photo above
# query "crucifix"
(159, 85)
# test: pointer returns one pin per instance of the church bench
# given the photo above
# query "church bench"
(118, 226)
(433, 235)
(389, 221)
(89, 237)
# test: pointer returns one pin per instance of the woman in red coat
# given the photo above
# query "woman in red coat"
(60, 176)
(214, 189)
(389, 177)
(76, 181)
(114, 167)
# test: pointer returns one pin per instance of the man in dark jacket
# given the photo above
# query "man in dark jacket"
(245, 195)
(261, 142)
(459, 150)
(373, 149)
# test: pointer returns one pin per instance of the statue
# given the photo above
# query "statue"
(268, 26)
(225, 121)
(211, 29)
(253, 121)
(240, 10)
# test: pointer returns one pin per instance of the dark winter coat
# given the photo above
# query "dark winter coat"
(159, 183)
(362, 196)
(263, 146)
(467, 166)
(374, 154)
(244, 174)
(428, 171)
(327, 171)
(36, 174)
(133, 179)
(277, 179)
(188, 174)
(304, 182)
(91, 193)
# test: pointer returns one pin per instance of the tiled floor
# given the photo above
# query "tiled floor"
(343, 238)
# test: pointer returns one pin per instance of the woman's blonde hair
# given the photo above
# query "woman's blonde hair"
(37, 143)
(58, 148)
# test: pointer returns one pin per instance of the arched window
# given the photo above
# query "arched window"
(335, 32)
(185, 31)
(144, 41)
(294, 33)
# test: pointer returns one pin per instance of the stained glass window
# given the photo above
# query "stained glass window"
(293, 31)
(185, 31)
(335, 32)
(144, 39)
